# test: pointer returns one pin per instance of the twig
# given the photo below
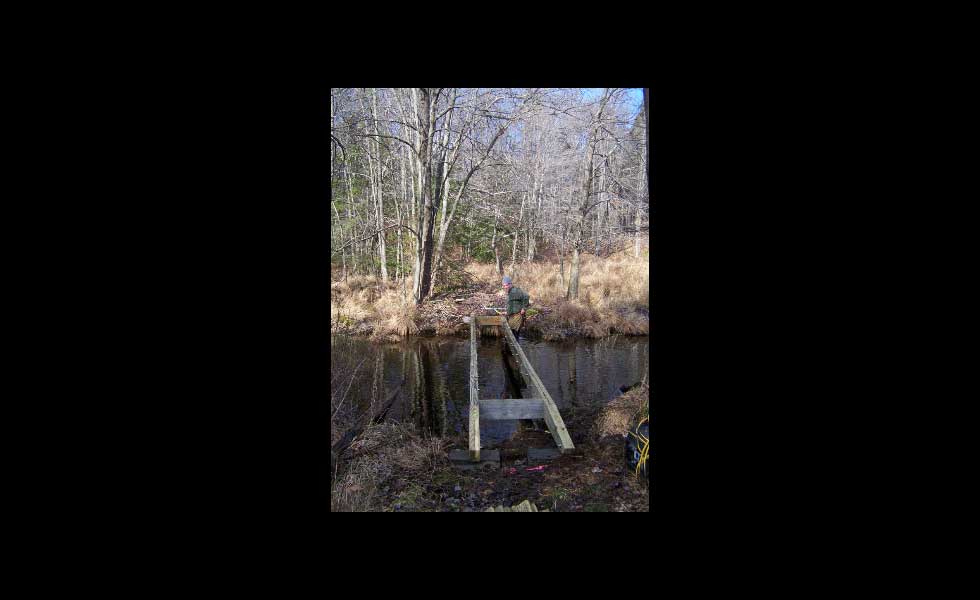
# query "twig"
(371, 235)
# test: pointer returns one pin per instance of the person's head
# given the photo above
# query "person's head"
(507, 283)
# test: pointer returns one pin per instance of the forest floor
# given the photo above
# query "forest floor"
(613, 298)
(391, 468)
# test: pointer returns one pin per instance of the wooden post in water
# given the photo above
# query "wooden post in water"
(474, 395)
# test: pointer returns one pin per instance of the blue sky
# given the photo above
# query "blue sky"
(635, 94)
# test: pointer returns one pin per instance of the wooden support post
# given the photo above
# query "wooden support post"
(551, 415)
(474, 396)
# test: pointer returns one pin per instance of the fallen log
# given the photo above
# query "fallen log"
(388, 404)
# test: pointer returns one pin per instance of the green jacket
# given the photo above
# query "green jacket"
(516, 300)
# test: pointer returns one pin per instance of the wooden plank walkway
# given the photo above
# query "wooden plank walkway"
(539, 407)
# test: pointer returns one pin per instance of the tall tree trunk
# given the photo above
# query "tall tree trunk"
(425, 121)
(580, 237)
(561, 260)
(645, 158)
(529, 222)
(638, 220)
(646, 117)
(379, 192)
(637, 223)
(572, 293)
(444, 186)
(416, 179)
(343, 251)
(350, 216)
(517, 234)
(493, 243)
(532, 241)
(412, 212)
(398, 215)
(598, 214)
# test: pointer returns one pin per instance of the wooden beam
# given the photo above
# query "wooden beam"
(474, 396)
(483, 321)
(551, 415)
(511, 409)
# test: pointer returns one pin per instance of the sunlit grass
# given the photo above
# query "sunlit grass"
(613, 298)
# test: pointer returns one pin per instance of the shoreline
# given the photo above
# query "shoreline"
(393, 468)
(613, 299)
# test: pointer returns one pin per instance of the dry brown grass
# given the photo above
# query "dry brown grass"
(395, 314)
(388, 312)
(620, 413)
(379, 454)
(618, 277)
(613, 298)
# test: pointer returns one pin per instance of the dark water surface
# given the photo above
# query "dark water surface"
(431, 376)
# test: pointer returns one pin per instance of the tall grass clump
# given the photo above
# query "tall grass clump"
(366, 304)
(395, 314)
(613, 295)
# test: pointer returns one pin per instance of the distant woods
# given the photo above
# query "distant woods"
(493, 175)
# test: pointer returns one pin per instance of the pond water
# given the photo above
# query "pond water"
(429, 377)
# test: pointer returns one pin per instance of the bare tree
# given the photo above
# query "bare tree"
(418, 171)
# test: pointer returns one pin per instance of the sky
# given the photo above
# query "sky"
(635, 94)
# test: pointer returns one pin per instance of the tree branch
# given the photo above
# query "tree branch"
(394, 137)
(370, 235)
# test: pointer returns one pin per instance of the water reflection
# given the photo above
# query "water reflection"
(428, 378)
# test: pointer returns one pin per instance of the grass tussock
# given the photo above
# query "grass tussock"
(367, 305)
(622, 412)
(395, 314)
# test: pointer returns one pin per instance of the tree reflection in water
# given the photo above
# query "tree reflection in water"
(432, 375)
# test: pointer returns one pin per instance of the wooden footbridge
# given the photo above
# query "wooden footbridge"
(541, 406)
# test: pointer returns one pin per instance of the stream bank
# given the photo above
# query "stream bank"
(421, 387)
(613, 299)
(392, 467)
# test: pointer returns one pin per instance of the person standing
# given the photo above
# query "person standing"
(517, 303)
